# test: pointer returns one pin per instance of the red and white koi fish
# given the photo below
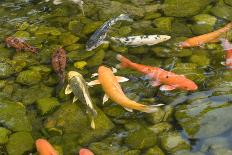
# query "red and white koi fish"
(85, 152)
(114, 91)
(45, 148)
(205, 38)
(159, 76)
(228, 48)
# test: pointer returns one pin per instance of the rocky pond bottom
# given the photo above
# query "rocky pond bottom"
(190, 123)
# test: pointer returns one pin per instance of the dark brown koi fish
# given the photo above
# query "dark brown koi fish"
(59, 63)
(20, 44)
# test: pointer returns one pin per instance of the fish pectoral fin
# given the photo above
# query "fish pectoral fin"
(128, 109)
(68, 90)
(57, 2)
(105, 99)
(223, 63)
(114, 70)
(121, 79)
(92, 83)
(75, 99)
(157, 105)
(167, 87)
(155, 83)
(94, 75)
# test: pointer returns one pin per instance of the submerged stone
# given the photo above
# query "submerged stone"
(28, 77)
(205, 19)
(133, 152)
(46, 105)
(68, 39)
(4, 133)
(161, 127)
(96, 59)
(13, 116)
(20, 143)
(222, 11)
(154, 151)
(6, 69)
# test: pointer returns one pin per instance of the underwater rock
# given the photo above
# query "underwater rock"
(164, 23)
(199, 29)
(42, 69)
(80, 55)
(28, 77)
(133, 152)
(173, 142)
(23, 26)
(200, 58)
(154, 151)
(214, 143)
(46, 105)
(91, 27)
(187, 152)
(165, 52)
(222, 11)
(13, 116)
(27, 57)
(156, 117)
(22, 34)
(200, 120)
(161, 127)
(4, 133)
(96, 59)
(72, 119)
(20, 143)
(68, 39)
(183, 8)
(229, 2)
(141, 139)
(6, 68)
(203, 19)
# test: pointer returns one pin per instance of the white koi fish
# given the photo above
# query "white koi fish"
(141, 40)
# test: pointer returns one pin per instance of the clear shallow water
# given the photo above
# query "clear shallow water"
(189, 123)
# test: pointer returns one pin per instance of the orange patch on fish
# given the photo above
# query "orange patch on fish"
(85, 152)
(44, 147)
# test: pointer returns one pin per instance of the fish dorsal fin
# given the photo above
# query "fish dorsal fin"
(75, 99)
(167, 87)
(68, 90)
(92, 83)
(121, 79)
(105, 99)
(128, 109)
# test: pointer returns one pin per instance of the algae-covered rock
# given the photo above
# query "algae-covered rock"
(80, 55)
(91, 27)
(80, 64)
(183, 8)
(173, 142)
(154, 151)
(229, 2)
(68, 39)
(205, 19)
(13, 116)
(164, 23)
(46, 105)
(23, 26)
(200, 59)
(96, 59)
(133, 152)
(199, 29)
(222, 11)
(28, 77)
(165, 52)
(6, 69)
(156, 117)
(20, 143)
(22, 34)
(4, 133)
(141, 139)
(161, 127)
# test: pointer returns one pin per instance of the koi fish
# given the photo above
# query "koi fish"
(159, 76)
(142, 40)
(100, 34)
(85, 152)
(20, 44)
(59, 63)
(205, 38)
(228, 48)
(78, 86)
(43, 147)
(113, 90)
(78, 2)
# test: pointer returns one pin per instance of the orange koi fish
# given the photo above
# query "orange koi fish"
(20, 44)
(159, 76)
(114, 91)
(44, 147)
(228, 48)
(85, 152)
(205, 38)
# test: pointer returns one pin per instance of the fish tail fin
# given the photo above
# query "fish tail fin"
(124, 61)
(124, 17)
(151, 108)
(226, 44)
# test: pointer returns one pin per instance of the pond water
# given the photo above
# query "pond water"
(190, 122)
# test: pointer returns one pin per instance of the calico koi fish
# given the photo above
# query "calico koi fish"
(113, 90)
(85, 152)
(159, 76)
(142, 40)
(205, 38)
(79, 87)
(100, 34)
(44, 147)
(78, 2)
(228, 48)
(20, 44)
(59, 63)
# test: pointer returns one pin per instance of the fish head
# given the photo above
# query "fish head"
(72, 74)
(103, 69)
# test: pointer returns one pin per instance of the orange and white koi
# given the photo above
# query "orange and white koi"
(85, 152)
(205, 38)
(44, 147)
(228, 48)
(159, 76)
(114, 91)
